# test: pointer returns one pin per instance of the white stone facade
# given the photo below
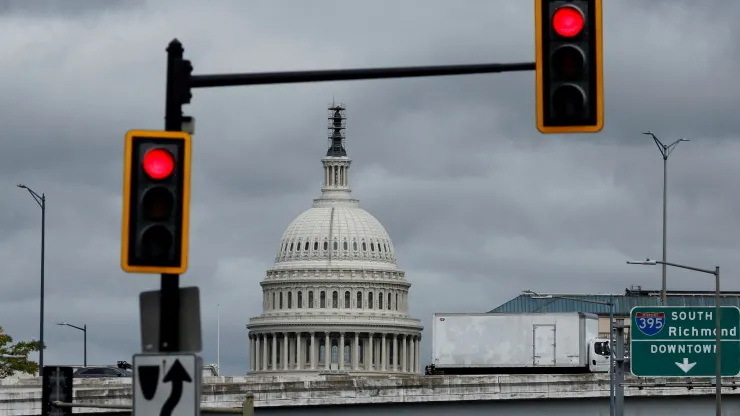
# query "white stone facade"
(335, 282)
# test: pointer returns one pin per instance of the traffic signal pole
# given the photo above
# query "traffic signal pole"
(169, 310)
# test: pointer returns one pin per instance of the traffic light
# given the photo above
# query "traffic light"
(569, 78)
(156, 202)
(182, 72)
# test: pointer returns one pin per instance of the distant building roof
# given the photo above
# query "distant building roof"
(623, 303)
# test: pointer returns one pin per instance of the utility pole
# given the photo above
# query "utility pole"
(665, 151)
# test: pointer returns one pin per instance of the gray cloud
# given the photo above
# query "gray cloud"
(63, 8)
(479, 205)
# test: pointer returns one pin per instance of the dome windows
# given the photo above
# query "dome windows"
(312, 235)
(336, 245)
(347, 300)
(300, 300)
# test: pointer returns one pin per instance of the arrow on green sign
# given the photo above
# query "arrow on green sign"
(685, 365)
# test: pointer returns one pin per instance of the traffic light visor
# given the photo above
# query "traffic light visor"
(567, 21)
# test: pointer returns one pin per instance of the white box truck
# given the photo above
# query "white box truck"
(496, 343)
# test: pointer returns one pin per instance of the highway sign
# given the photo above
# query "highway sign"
(669, 341)
(167, 384)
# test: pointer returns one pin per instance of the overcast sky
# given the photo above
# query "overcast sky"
(479, 204)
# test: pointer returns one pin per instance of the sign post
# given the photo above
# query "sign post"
(680, 341)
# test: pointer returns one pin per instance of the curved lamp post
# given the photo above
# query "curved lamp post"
(41, 200)
(84, 330)
(534, 295)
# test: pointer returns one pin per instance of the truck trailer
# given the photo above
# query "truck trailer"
(504, 343)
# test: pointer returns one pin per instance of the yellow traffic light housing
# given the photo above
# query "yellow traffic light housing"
(569, 75)
(156, 202)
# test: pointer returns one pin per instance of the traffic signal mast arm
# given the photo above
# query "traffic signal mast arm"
(227, 80)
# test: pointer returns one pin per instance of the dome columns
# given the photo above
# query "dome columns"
(362, 352)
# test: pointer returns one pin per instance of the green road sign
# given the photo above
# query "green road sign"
(668, 341)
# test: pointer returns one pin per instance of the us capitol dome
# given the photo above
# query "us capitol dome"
(335, 300)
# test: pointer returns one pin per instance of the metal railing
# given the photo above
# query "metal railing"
(246, 409)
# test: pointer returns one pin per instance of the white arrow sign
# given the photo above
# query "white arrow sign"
(685, 365)
(167, 384)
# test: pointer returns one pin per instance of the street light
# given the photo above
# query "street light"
(718, 338)
(84, 330)
(41, 200)
(534, 295)
(665, 151)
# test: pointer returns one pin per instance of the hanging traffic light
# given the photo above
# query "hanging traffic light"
(156, 202)
(569, 79)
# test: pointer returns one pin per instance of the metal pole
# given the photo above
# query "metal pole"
(665, 151)
(611, 359)
(41, 316)
(84, 332)
(228, 80)
(218, 338)
(619, 399)
(169, 309)
(665, 222)
(718, 363)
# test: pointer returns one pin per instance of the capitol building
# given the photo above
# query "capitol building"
(335, 300)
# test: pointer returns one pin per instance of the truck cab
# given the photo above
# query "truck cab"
(598, 355)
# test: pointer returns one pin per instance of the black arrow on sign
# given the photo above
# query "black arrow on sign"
(177, 375)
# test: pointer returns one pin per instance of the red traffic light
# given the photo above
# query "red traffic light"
(158, 163)
(567, 21)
